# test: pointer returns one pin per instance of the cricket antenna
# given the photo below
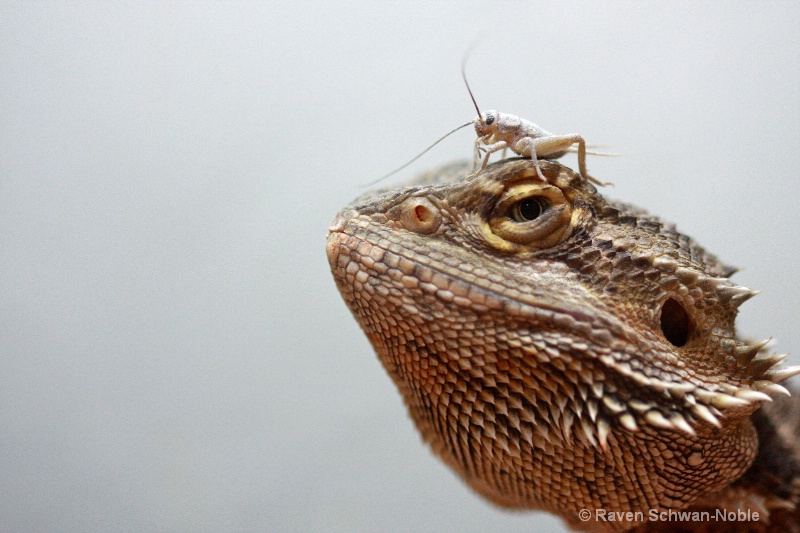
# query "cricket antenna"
(464, 75)
(398, 169)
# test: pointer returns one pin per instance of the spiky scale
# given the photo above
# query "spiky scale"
(746, 352)
(613, 404)
(567, 419)
(760, 365)
(688, 276)
(603, 429)
(628, 422)
(591, 407)
(736, 295)
(640, 406)
(680, 390)
(770, 388)
(753, 395)
(702, 412)
(777, 375)
(726, 401)
(665, 264)
(656, 419)
(588, 431)
(680, 422)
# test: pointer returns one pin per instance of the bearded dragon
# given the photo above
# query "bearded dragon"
(572, 354)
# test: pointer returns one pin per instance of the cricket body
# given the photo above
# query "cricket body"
(500, 131)
(497, 131)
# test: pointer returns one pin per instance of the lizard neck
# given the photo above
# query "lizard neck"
(765, 498)
(657, 470)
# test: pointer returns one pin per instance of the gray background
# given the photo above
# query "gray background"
(173, 352)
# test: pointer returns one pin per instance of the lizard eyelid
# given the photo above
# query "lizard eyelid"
(531, 214)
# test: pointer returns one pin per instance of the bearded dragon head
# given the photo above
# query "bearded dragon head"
(558, 350)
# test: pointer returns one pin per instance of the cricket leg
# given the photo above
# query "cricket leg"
(492, 148)
(526, 147)
(557, 145)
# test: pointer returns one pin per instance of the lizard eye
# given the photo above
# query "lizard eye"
(528, 209)
(531, 214)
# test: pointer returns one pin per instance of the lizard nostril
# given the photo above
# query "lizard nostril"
(423, 214)
(420, 216)
(675, 323)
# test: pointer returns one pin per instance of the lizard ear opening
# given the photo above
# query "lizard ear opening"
(675, 323)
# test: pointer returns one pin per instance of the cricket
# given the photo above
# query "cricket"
(503, 131)
(499, 131)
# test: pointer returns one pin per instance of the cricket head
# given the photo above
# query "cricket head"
(486, 123)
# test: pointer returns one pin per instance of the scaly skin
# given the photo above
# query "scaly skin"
(564, 352)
